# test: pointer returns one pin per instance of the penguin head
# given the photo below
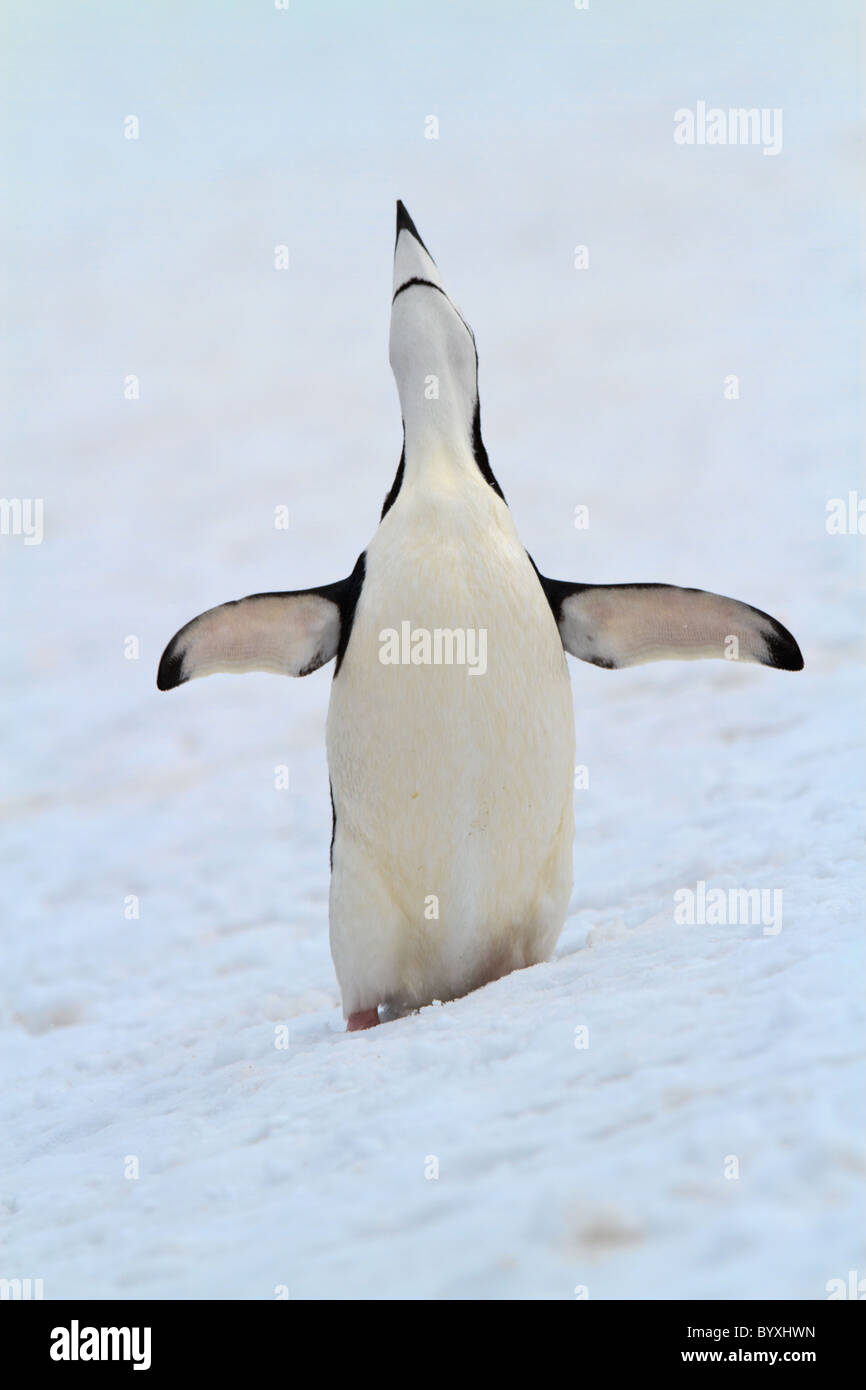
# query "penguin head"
(432, 350)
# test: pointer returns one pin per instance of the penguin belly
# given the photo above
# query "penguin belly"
(452, 853)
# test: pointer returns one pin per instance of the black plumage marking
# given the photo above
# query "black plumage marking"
(397, 483)
(170, 673)
(555, 590)
(480, 452)
(318, 660)
(419, 280)
(350, 591)
(782, 647)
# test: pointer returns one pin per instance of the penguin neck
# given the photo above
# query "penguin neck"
(438, 447)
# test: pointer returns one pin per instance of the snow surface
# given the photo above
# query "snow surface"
(304, 1168)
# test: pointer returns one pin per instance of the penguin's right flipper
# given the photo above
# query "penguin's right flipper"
(289, 634)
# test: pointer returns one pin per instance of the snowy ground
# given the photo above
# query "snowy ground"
(154, 1038)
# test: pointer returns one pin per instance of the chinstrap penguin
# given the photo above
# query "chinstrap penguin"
(452, 785)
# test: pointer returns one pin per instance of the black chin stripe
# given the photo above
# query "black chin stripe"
(417, 280)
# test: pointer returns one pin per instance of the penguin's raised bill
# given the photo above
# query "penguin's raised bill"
(429, 898)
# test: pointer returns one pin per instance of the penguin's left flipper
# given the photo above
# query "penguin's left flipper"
(613, 625)
(289, 634)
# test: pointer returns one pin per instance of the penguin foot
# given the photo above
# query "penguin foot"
(367, 1018)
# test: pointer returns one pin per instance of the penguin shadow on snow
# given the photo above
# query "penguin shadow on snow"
(451, 864)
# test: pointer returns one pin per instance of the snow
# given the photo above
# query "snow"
(306, 1168)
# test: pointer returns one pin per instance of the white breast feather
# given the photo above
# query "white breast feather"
(449, 788)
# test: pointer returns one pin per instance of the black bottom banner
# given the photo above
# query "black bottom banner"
(162, 1339)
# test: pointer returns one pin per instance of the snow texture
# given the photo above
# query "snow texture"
(307, 1168)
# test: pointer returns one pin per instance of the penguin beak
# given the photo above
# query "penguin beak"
(412, 260)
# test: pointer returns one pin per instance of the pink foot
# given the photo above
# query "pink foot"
(367, 1018)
